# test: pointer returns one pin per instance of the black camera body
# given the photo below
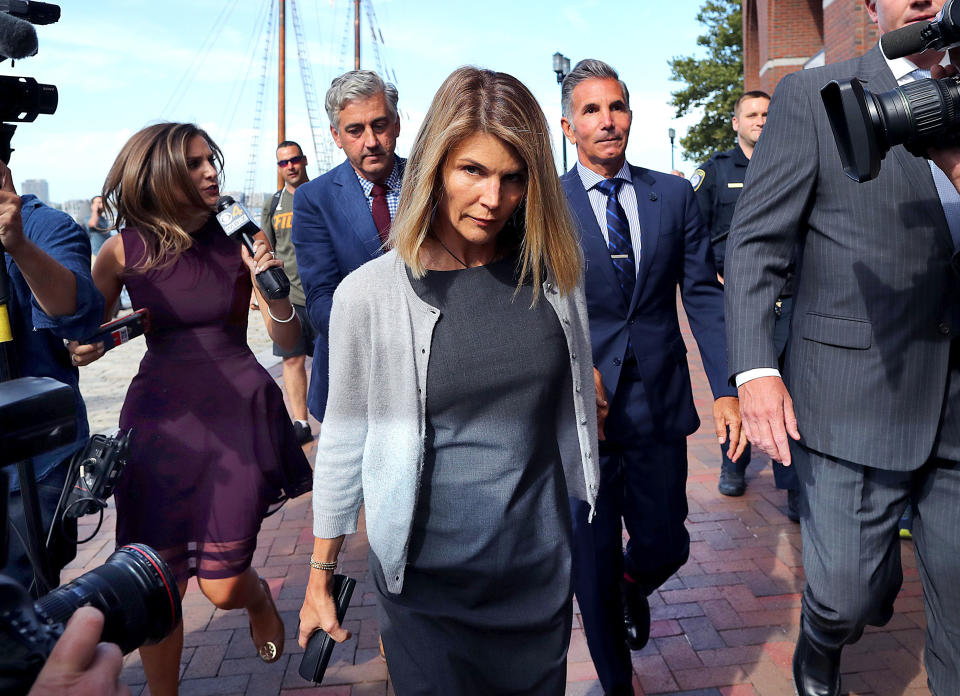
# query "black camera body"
(134, 589)
(22, 99)
(38, 414)
(95, 472)
(26, 638)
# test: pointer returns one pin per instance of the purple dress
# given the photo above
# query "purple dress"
(213, 446)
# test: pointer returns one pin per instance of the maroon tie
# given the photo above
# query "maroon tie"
(381, 212)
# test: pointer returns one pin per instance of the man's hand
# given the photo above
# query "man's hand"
(79, 665)
(726, 414)
(603, 408)
(11, 225)
(84, 354)
(768, 417)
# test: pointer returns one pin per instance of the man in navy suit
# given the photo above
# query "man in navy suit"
(642, 238)
(341, 219)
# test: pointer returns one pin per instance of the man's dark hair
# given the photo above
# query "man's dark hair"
(290, 143)
(752, 94)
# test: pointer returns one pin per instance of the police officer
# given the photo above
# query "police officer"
(719, 181)
(717, 184)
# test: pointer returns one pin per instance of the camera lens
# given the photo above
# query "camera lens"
(134, 589)
(918, 115)
(917, 111)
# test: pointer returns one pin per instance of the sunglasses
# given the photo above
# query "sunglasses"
(293, 160)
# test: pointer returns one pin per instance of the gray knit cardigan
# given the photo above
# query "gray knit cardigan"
(371, 443)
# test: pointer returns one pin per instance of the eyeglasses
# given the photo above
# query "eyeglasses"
(293, 160)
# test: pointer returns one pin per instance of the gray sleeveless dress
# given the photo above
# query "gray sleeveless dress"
(486, 603)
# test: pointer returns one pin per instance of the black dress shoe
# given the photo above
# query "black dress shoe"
(636, 614)
(732, 483)
(793, 505)
(816, 670)
(620, 691)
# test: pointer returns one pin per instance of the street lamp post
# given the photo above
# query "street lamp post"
(561, 66)
(673, 134)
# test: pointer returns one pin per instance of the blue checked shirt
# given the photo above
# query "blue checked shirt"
(628, 201)
(392, 184)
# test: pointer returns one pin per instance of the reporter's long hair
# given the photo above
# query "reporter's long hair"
(149, 185)
(472, 100)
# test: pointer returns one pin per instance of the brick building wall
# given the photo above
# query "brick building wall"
(848, 31)
(780, 36)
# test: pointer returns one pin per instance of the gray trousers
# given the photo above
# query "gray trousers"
(851, 553)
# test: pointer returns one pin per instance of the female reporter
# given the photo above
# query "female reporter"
(461, 410)
(213, 446)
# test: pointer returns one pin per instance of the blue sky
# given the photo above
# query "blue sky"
(122, 64)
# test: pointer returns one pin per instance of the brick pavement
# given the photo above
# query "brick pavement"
(724, 625)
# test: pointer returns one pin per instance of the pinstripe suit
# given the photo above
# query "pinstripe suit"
(867, 365)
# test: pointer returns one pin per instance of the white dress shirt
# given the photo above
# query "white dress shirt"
(627, 198)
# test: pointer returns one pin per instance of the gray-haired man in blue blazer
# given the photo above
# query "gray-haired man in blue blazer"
(341, 219)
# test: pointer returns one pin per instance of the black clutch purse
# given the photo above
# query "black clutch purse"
(320, 644)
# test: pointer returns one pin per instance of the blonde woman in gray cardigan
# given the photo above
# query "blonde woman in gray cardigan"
(462, 409)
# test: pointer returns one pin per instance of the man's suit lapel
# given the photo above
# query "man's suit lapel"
(354, 208)
(595, 251)
(648, 211)
(874, 72)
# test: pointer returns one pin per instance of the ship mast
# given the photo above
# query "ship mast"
(356, 34)
(281, 85)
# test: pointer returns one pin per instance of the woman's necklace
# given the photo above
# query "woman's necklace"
(454, 256)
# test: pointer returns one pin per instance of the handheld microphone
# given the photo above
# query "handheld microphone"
(237, 223)
(940, 33)
(905, 41)
(18, 39)
(119, 331)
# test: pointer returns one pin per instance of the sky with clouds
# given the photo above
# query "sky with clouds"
(122, 64)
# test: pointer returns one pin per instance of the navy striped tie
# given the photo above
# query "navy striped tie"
(618, 238)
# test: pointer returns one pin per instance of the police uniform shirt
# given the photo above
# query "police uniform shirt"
(717, 184)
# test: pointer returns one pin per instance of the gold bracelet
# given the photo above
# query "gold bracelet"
(317, 565)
